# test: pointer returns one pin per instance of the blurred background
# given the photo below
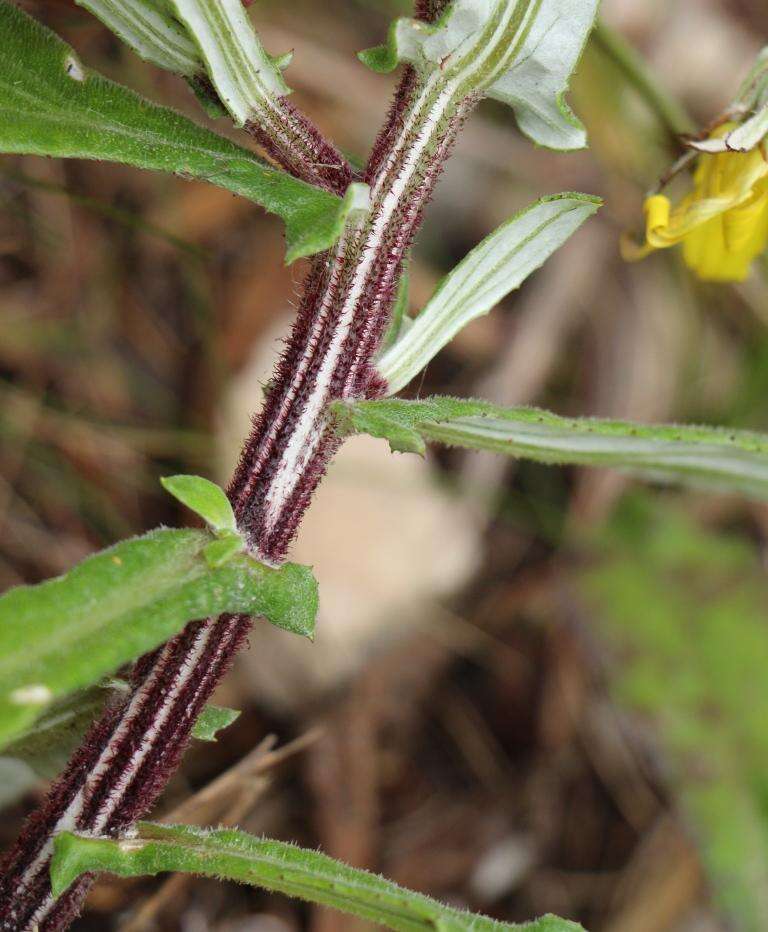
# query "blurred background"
(533, 689)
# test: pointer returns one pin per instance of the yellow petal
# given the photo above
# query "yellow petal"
(657, 209)
(724, 248)
(722, 222)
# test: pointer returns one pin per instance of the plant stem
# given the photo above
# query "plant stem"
(292, 141)
(131, 752)
(671, 114)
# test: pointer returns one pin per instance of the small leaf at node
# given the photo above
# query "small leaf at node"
(213, 719)
(203, 497)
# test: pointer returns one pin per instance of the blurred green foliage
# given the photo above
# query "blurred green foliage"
(684, 609)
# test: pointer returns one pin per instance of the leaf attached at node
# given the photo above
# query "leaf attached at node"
(521, 52)
(67, 633)
(710, 457)
(51, 104)
(203, 497)
(274, 865)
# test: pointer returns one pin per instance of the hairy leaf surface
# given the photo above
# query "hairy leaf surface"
(734, 461)
(50, 104)
(67, 633)
(275, 865)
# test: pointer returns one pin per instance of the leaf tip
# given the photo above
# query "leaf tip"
(412, 442)
(379, 58)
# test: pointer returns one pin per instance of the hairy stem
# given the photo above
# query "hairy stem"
(288, 137)
(131, 752)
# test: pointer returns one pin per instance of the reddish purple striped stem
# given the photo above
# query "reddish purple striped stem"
(130, 753)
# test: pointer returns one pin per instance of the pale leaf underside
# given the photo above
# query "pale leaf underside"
(241, 71)
(534, 83)
(497, 266)
(147, 28)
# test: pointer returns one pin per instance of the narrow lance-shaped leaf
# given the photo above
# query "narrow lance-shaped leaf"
(52, 105)
(274, 865)
(491, 271)
(67, 633)
(734, 461)
(150, 29)
(542, 41)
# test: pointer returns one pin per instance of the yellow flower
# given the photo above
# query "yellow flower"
(722, 223)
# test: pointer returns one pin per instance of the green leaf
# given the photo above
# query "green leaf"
(50, 104)
(48, 743)
(67, 633)
(381, 420)
(149, 29)
(203, 497)
(213, 719)
(712, 457)
(491, 271)
(240, 70)
(274, 865)
(521, 52)
(221, 550)
(681, 611)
